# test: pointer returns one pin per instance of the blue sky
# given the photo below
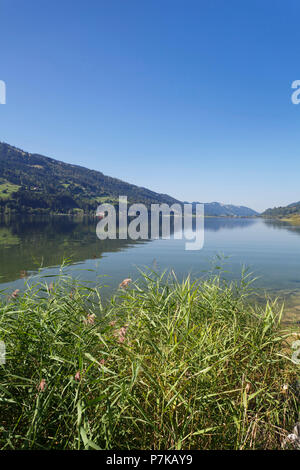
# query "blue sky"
(190, 98)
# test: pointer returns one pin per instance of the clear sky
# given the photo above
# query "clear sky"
(186, 97)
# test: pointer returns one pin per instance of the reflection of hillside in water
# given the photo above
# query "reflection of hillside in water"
(282, 225)
(214, 224)
(29, 243)
(218, 223)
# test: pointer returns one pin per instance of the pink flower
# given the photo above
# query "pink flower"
(102, 362)
(42, 385)
(15, 294)
(125, 283)
(90, 319)
(77, 376)
(121, 334)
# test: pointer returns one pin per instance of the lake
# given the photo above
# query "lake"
(270, 249)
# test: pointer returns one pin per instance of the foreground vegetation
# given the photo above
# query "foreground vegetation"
(163, 365)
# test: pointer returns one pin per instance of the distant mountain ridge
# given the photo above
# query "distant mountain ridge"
(218, 209)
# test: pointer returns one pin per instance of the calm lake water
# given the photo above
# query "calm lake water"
(270, 249)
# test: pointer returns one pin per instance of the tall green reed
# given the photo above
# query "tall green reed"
(164, 365)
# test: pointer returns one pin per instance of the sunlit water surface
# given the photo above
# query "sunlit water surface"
(269, 249)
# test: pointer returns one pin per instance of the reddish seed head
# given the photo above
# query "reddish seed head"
(15, 294)
(42, 385)
(121, 334)
(90, 319)
(125, 283)
(77, 376)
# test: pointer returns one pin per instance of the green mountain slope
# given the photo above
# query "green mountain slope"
(285, 212)
(35, 183)
(31, 182)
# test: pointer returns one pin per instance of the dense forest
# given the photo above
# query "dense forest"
(35, 183)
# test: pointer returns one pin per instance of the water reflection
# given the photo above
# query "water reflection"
(271, 249)
(267, 246)
(28, 243)
(282, 225)
(214, 224)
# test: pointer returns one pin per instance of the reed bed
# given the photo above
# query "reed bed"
(163, 365)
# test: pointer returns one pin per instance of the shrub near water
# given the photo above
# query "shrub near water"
(165, 365)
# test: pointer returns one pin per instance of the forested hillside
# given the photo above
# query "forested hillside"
(34, 183)
(290, 211)
(31, 182)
